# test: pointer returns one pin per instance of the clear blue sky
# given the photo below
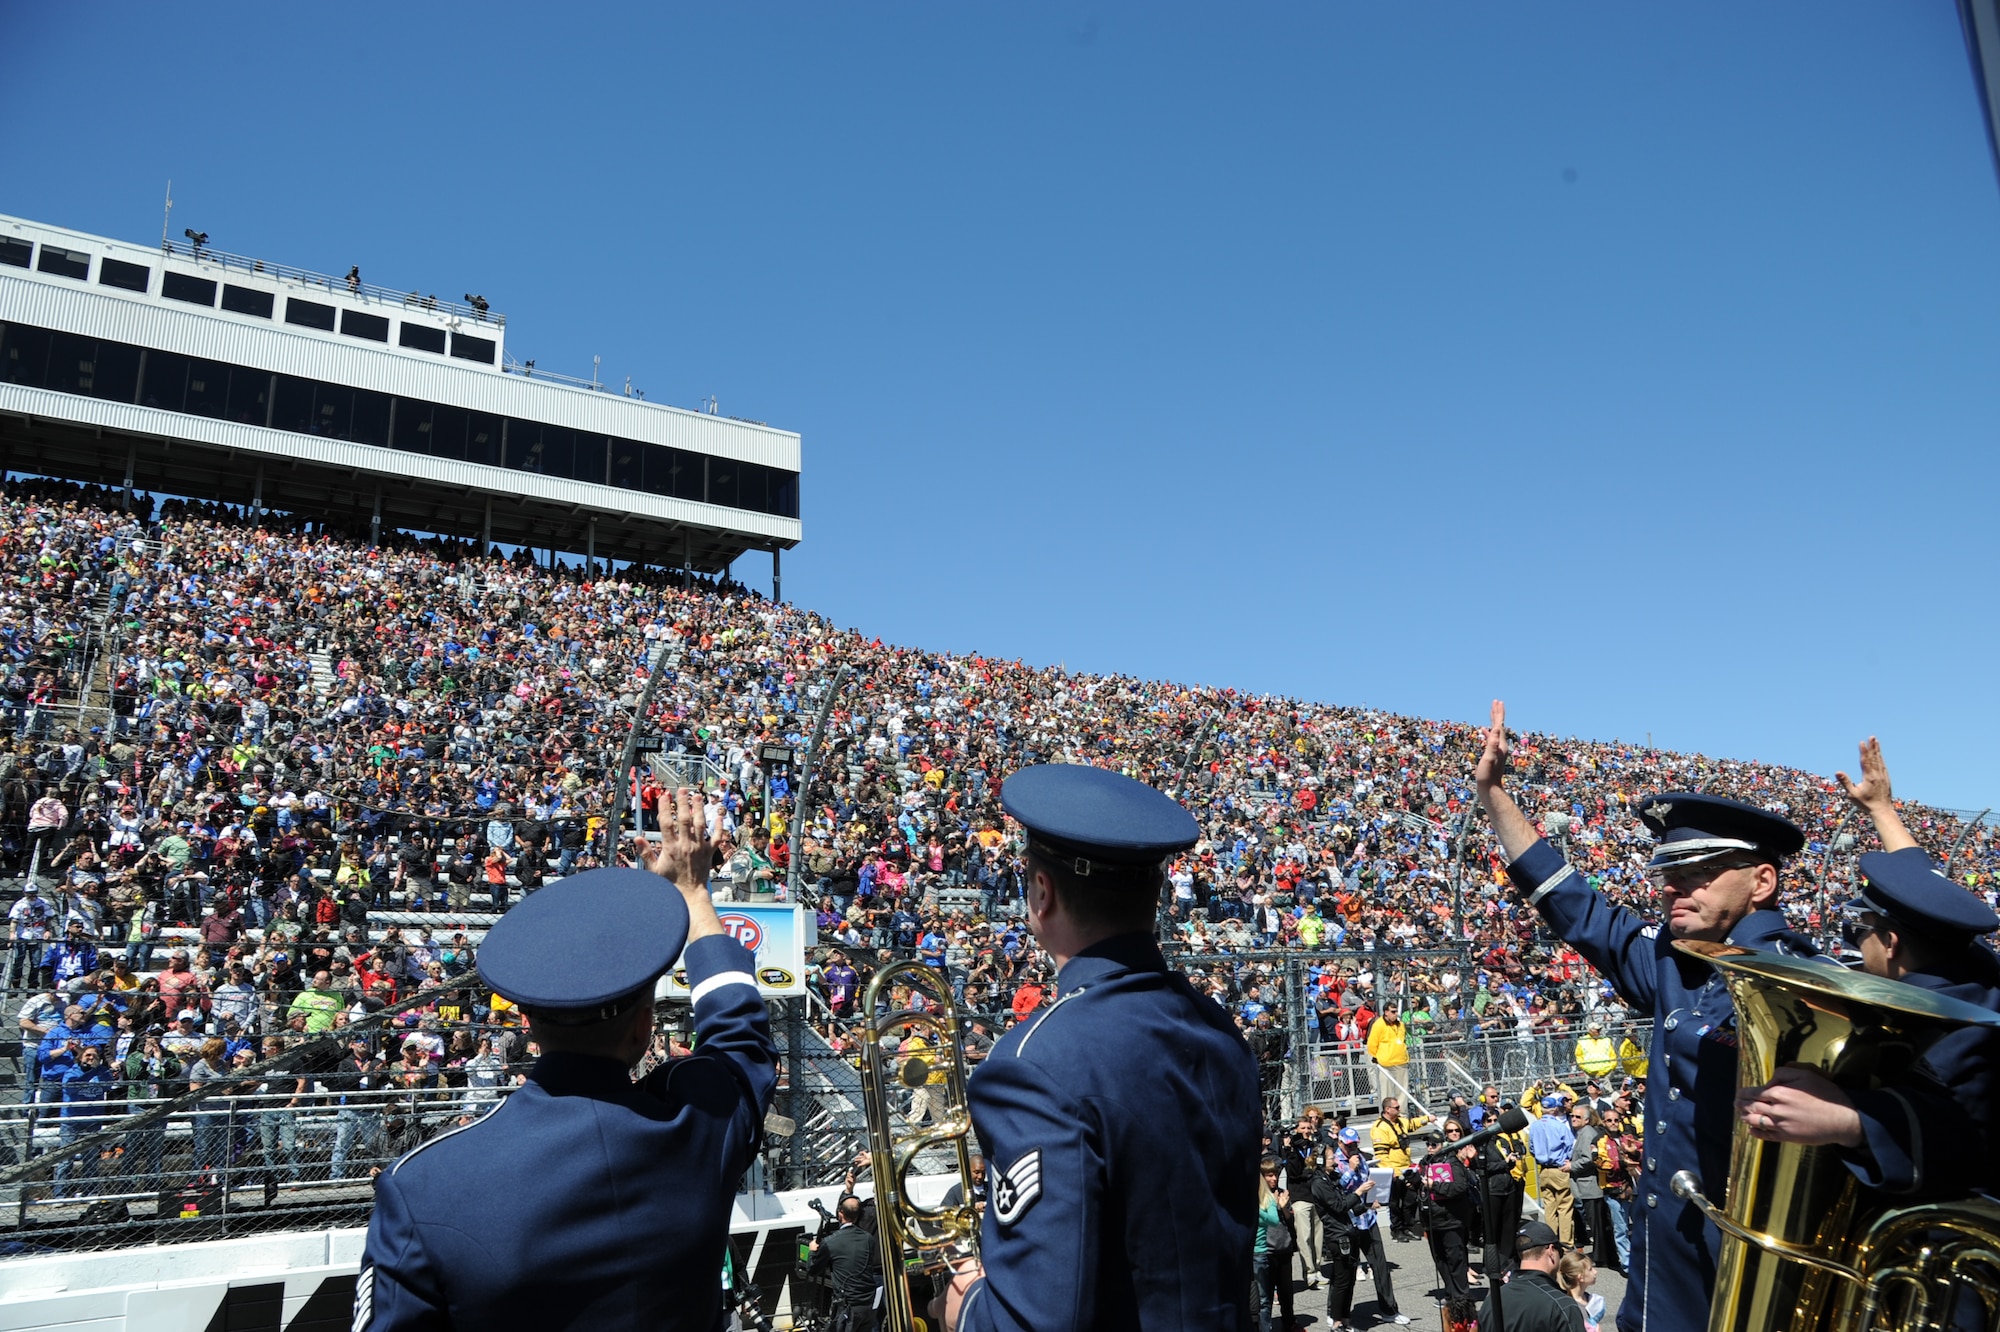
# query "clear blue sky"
(1637, 364)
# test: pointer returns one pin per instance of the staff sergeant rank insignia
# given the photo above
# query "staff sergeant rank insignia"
(1018, 1188)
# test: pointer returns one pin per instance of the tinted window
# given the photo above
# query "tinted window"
(627, 467)
(784, 493)
(208, 388)
(750, 486)
(72, 363)
(371, 417)
(16, 252)
(358, 325)
(118, 273)
(448, 431)
(186, 287)
(117, 371)
(333, 410)
(248, 300)
(524, 445)
(587, 464)
(249, 396)
(292, 404)
(166, 381)
(308, 314)
(482, 439)
(468, 348)
(413, 426)
(690, 475)
(64, 263)
(422, 337)
(722, 481)
(558, 450)
(24, 355)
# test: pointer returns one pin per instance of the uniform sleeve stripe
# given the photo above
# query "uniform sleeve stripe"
(717, 981)
(1554, 879)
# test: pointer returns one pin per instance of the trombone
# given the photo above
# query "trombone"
(911, 1238)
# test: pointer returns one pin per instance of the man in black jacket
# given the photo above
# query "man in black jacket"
(850, 1255)
(1532, 1301)
(1499, 1199)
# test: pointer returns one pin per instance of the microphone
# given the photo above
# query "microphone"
(1513, 1121)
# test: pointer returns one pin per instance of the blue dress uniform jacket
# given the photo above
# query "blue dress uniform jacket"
(1940, 1136)
(1690, 1100)
(584, 1199)
(1121, 1128)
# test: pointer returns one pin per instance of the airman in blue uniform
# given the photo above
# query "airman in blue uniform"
(1937, 1136)
(1717, 865)
(1122, 1124)
(585, 1199)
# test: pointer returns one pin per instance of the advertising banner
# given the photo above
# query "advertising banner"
(775, 936)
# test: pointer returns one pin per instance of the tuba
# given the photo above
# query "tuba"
(1805, 1248)
(913, 1239)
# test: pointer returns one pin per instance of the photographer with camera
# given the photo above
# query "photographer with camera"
(848, 1261)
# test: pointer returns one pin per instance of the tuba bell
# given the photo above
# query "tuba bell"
(1805, 1248)
(913, 1239)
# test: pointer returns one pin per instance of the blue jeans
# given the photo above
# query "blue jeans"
(278, 1136)
(1274, 1279)
(1621, 1231)
(354, 1122)
(211, 1143)
(72, 1172)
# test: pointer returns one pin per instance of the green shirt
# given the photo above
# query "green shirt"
(319, 1006)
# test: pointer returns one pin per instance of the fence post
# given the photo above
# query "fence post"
(1300, 1061)
(795, 1074)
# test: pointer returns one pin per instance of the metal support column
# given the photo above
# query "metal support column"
(795, 1078)
(131, 461)
(687, 559)
(802, 797)
(777, 576)
(590, 547)
(486, 532)
(375, 519)
(257, 491)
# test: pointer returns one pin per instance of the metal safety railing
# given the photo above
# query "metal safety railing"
(367, 291)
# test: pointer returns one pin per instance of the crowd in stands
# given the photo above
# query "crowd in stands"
(245, 738)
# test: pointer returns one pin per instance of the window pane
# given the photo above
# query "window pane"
(65, 263)
(482, 439)
(24, 355)
(308, 314)
(292, 405)
(118, 273)
(371, 417)
(72, 363)
(750, 486)
(588, 462)
(186, 287)
(413, 425)
(524, 445)
(722, 481)
(558, 450)
(422, 337)
(166, 381)
(208, 388)
(657, 469)
(333, 410)
(625, 465)
(690, 475)
(15, 252)
(468, 348)
(785, 493)
(248, 300)
(249, 395)
(117, 371)
(355, 324)
(448, 431)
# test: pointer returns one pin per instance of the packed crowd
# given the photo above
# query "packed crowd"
(253, 736)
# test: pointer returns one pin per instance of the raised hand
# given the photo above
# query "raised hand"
(685, 855)
(1493, 759)
(1872, 791)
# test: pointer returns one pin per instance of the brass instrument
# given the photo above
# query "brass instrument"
(1804, 1248)
(914, 1239)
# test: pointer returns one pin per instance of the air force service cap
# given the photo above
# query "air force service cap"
(1905, 887)
(1696, 828)
(1093, 821)
(588, 948)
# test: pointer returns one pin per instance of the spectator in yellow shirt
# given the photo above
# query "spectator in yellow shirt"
(1388, 1046)
(1405, 1199)
(1595, 1054)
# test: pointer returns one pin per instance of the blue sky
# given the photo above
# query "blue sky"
(1635, 364)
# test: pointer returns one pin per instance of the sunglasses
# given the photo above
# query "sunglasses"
(1855, 926)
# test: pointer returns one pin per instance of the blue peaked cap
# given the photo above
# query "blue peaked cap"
(1693, 828)
(579, 949)
(1904, 886)
(1095, 817)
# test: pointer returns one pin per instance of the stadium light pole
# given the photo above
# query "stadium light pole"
(621, 783)
(1833, 845)
(834, 691)
(1959, 841)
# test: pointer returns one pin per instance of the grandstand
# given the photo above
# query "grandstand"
(303, 715)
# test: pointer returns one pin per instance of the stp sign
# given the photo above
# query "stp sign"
(744, 930)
